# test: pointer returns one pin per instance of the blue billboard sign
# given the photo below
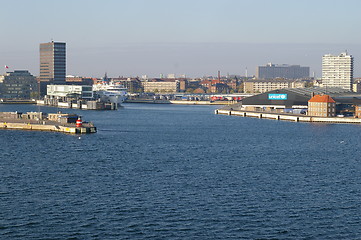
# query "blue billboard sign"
(277, 96)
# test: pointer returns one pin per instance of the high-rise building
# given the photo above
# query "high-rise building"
(337, 71)
(271, 71)
(52, 64)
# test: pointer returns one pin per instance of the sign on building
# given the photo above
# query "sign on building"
(277, 96)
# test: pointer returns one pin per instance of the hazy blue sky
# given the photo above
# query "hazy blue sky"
(192, 37)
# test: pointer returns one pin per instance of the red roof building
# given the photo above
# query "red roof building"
(322, 106)
(322, 98)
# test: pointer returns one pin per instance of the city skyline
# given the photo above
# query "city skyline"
(134, 38)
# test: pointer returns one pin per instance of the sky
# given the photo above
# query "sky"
(184, 37)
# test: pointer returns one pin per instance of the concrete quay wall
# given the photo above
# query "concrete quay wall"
(201, 102)
(288, 117)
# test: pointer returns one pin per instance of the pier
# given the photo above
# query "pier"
(288, 117)
(38, 121)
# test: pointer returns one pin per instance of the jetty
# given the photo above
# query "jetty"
(288, 117)
(38, 121)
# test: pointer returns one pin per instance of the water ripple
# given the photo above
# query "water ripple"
(181, 173)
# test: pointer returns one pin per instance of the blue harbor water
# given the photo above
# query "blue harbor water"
(181, 172)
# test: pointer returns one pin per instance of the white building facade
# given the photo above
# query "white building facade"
(82, 91)
(337, 71)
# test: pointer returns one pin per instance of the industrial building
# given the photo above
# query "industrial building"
(295, 100)
(286, 98)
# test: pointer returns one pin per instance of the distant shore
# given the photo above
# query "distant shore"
(181, 102)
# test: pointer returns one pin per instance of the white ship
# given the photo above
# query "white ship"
(110, 92)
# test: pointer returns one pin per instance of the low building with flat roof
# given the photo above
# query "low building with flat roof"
(82, 91)
(276, 99)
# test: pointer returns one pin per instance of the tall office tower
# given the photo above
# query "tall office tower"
(271, 71)
(52, 64)
(337, 71)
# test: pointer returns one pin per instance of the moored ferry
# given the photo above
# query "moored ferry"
(110, 91)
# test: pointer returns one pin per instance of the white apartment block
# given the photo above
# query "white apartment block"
(337, 71)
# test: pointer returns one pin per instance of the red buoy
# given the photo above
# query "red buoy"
(79, 122)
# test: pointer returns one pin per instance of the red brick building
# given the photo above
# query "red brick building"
(322, 106)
